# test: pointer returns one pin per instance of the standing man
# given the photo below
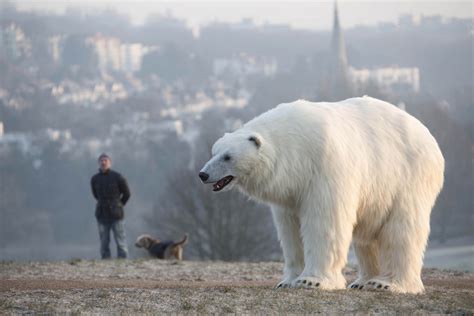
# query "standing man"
(111, 191)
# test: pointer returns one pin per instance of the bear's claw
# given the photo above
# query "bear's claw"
(357, 285)
(283, 284)
(307, 283)
(378, 285)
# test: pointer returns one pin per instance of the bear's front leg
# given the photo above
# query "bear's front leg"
(288, 229)
(326, 231)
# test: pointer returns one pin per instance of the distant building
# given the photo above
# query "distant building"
(108, 52)
(113, 55)
(432, 21)
(243, 65)
(408, 21)
(55, 48)
(2, 131)
(132, 55)
(345, 80)
(144, 128)
(11, 141)
(389, 79)
(32, 144)
(14, 42)
(9, 36)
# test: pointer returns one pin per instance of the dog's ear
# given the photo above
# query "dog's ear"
(147, 241)
(140, 243)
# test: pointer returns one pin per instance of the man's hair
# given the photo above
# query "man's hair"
(103, 155)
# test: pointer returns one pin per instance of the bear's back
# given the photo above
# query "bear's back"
(360, 133)
(372, 119)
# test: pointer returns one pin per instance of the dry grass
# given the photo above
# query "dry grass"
(152, 286)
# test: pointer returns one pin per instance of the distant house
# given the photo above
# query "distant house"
(394, 79)
(14, 42)
(113, 55)
(243, 65)
(55, 47)
(21, 141)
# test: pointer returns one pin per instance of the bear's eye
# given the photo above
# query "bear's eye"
(226, 157)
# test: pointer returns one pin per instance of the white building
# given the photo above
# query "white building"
(108, 50)
(21, 141)
(132, 55)
(113, 55)
(145, 129)
(54, 47)
(244, 65)
(14, 42)
(389, 79)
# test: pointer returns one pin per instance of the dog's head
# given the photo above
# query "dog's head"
(145, 241)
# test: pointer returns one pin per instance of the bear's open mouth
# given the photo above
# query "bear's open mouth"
(219, 185)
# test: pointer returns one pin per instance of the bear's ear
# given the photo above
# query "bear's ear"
(255, 139)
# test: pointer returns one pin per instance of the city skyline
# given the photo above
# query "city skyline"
(300, 15)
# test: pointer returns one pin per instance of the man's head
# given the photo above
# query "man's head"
(104, 162)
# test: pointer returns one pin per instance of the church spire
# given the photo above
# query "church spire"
(340, 79)
(338, 45)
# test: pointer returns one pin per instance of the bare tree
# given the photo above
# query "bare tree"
(221, 226)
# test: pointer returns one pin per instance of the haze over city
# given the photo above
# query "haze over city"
(314, 15)
(155, 84)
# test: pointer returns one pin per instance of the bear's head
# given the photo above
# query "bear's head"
(236, 159)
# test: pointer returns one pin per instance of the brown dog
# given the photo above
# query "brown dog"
(162, 249)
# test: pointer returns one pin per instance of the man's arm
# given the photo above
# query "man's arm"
(94, 193)
(124, 190)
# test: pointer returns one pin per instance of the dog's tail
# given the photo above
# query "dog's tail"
(183, 241)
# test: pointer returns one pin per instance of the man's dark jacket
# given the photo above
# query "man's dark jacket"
(111, 191)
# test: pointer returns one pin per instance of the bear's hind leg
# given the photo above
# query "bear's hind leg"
(402, 241)
(288, 228)
(367, 258)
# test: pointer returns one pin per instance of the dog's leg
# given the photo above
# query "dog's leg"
(179, 254)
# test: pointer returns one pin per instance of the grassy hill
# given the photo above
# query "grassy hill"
(153, 286)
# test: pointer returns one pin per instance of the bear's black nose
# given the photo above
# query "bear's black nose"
(204, 176)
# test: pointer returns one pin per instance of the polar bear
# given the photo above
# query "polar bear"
(359, 170)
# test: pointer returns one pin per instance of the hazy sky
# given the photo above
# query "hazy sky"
(299, 14)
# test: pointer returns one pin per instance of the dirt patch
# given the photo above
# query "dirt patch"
(29, 285)
(140, 286)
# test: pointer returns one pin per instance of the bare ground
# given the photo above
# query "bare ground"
(153, 286)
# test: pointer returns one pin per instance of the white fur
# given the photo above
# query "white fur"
(358, 170)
